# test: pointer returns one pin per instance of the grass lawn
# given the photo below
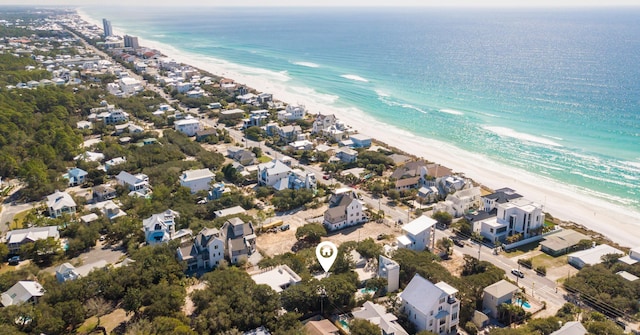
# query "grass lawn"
(18, 219)
(109, 321)
(523, 249)
(264, 159)
(6, 268)
(549, 261)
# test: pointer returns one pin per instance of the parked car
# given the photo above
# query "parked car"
(458, 242)
(284, 227)
(325, 177)
(517, 273)
(15, 260)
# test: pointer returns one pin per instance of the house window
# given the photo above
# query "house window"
(215, 247)
(431, 323)
(431, 313)
(454, 316)
(442, 301)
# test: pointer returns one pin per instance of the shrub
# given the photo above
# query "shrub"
(526, 262)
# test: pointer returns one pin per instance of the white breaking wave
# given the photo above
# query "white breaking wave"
(508, 132)
(354, 77)
(306, 64)
(382, 94)
(451, 111)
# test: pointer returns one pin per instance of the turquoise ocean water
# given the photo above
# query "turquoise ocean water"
(552, 92)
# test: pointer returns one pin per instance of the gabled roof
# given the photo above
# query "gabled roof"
(407, 181)
(20, 292)
(424, 295)
(274, 167)
(130, 179)
(571, 328)
(160, 218)
(322, 327)
(410, 169)
(76, 172)
(378, 315)
(32, 234)
(59, 200)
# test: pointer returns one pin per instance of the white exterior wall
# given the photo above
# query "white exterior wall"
(354, 213)
(216, 253)
(519, 220)
(429, 322)
(196, 185)
(187, 128)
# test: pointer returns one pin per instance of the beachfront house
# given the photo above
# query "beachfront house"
(592, 256)
(197, 180)
(518, 216)
(431, 307)
(345, 210)
(494, 295)
(419, 234)
(292, 113)
(360, 141)
(460, 203)
(60, 203)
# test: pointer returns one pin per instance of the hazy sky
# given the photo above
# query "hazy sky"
(262, 3)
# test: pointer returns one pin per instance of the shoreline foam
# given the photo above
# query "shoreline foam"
(566, 202)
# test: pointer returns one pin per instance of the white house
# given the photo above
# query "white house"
(17, 237)
(460, 202)
(292, 113)
(345, 210)
(205, 252)
(66, 271)
(518, 216)
(188, 126)
(278, 278)
(60, 203)
(161, 227)
(418, 235)
(274, 173)
(130, 85)
(108, 208)
(632, 258)
(378, 315)
(138, 183)
(24, 291)
(113, 162)
(592, 256)
(389, 270)
(197, 180)
(431, 307)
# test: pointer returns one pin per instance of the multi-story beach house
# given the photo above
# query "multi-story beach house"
(206, 251)
(137, 184)
(161, 228)
(518, 216)
(431, 307)
(197, 180)
(188, 126)
(240, 239)
(345, 210)
(292, 113)
(60, 203)
(419, 234)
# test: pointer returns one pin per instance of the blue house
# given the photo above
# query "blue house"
(75, 176)
(217, 191)
(360, 141)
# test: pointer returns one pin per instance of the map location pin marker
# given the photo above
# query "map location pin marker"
(326, 253)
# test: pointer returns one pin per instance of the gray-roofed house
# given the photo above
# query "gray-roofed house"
(345, 210)
(205, 252)
(562, 242)
(274, 173)
(24, 291)
(347, 155)
(240, 239)
(496, 294)
(75, 176)
(431, 307)
(103, 192)
(278, 278)
(378, 315)
(138, 184)
(60, 203)
(66, 271)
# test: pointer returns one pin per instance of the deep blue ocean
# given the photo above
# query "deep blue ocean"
(553, 92)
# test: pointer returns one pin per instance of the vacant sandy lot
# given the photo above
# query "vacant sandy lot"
(282, 241)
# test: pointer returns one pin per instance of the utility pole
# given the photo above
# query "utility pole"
(479, 248)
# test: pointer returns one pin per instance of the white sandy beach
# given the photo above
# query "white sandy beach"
(620, 224)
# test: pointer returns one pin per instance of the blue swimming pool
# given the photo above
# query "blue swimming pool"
(526, 304)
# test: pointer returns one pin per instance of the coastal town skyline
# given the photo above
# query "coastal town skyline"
(337, 3)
